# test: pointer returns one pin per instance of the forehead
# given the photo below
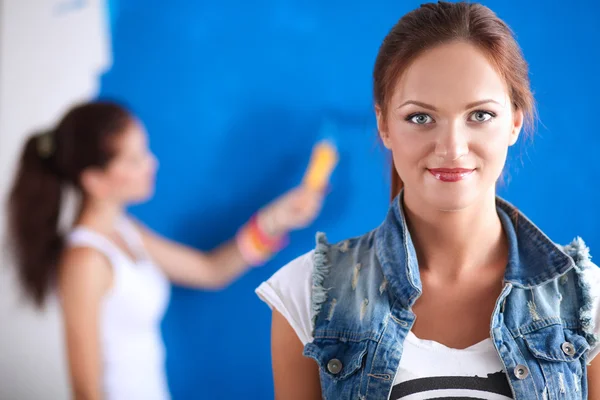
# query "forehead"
(449, 76)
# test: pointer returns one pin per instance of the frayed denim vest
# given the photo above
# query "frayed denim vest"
(364, 288)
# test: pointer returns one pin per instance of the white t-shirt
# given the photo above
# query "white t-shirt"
(427, 369)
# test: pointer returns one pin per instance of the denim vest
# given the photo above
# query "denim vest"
(364, 289)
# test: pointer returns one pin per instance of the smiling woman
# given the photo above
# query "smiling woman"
(456, 294)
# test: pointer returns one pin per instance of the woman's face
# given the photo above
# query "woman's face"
(133, 170)
(449, 124)
(129, 177)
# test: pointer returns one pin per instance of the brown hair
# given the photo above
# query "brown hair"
(433, 24)
(50, 160)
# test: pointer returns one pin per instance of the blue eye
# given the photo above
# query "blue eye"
(481, 116)
(420, 119)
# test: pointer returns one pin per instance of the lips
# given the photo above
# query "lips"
(451, 174)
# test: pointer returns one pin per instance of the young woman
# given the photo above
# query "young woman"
(456, 294)
(112, 273)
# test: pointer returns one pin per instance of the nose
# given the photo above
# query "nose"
(452, 143)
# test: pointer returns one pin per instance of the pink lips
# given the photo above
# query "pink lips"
(451, 174)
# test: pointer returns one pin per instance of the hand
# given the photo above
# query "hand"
(296, 209)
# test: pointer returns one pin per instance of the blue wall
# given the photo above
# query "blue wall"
(234, 95)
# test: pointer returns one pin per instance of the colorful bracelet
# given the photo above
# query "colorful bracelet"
(249, 251)
(255, 245)
(261, 236)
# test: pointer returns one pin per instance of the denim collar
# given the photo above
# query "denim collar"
(533, 259)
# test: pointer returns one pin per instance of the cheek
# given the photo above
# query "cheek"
(491, 145)
(409, 148)
(131, 178)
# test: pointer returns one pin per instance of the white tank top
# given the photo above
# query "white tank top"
(133, 354)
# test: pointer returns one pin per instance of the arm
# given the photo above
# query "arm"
(85, 276)
(594, 380)
(189, 267)
(296, 377)
(217, 268)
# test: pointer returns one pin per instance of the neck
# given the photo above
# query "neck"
(450, 244)
(100, 215)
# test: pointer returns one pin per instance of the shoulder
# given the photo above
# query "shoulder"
(588, 276)
(587, 272)
(289, 292)
(334, 260)
(364, 241)
(590, 309)
(84, 269)
(85, 260)
(591, 313)
(299, 289)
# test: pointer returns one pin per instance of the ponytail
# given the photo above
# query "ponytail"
(33, 217)
(83, 138)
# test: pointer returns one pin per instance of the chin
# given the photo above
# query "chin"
(451, 199)
(142, 196)
(452, 205)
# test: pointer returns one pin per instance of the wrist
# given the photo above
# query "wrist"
(269, 225)
(257, 243)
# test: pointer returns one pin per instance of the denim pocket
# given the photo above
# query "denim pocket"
(337, 359)
(560, 354)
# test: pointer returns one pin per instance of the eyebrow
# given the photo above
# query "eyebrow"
(433, 108)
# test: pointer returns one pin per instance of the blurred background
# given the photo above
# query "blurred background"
(234, 94)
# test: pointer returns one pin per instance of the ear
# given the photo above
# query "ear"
(382, 127)
(517, 126)
(94, 183)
